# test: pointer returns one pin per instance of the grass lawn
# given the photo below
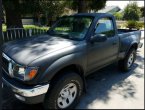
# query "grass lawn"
(3, 27)
(27, 27)
(35, 27)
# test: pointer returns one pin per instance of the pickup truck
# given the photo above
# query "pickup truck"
(51, 68)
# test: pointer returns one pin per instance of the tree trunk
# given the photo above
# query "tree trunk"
(39, 20)
(82, 6)
(46, 18)
(13, 19)
(13, 16)
(50, 20)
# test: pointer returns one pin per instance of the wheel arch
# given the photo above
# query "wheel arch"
(133, 45)
(70, 68)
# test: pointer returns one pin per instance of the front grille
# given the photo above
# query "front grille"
(5, 64)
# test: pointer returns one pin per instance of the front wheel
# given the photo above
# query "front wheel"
(64, 92)
(127, 63)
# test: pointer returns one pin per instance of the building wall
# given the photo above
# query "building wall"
(27, 21)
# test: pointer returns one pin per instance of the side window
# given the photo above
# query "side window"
(105, 26)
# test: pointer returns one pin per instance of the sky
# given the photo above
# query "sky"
(122, 4)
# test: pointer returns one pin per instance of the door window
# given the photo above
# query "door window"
(105, 26)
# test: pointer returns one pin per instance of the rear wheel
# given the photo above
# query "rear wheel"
(65, 92)
(127, 62)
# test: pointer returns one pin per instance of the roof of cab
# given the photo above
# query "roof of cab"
(93, 14)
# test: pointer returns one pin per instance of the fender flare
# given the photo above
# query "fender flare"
(130, 46)
(59, 64)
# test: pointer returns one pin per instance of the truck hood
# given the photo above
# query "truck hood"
(25, 51)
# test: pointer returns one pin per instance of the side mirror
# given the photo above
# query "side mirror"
(98, 38)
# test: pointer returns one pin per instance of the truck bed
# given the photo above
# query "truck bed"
(127, 37)
(122, 31)
(131, 34)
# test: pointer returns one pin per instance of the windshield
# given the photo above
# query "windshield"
(72, 27)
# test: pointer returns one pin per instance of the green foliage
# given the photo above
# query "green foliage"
(120, 26)
(3, 27)
(134, 24)
(27, 27)
(35, 27)
(140, 25)
(118, 16)
(97, 4)
(23, 6)
(132, 12)
(131, 24)
(86, 5)
(29, 7)
(142, 11)
(51, 8)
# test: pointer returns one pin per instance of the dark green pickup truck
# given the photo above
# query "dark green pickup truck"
(51, 68)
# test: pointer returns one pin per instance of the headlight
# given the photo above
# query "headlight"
(25, 73)
(15, 70)
(21, 71)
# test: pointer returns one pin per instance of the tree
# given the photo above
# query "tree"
(51, 9)
(13, 16)
(142, 11)
(31, 7)
(82, 6)
(132, 12)
(118, 15)
(14, 9)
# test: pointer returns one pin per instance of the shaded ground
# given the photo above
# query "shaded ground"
(107, 88)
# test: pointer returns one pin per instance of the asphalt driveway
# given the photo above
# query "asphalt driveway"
(108, 88)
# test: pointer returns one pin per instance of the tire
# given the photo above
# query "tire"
(54, 98)
(124, 64)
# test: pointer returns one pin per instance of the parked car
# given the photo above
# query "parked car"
(52, 67)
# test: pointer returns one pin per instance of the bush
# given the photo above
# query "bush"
(131, 24)
(140, 25)
(35, 27)
(142, 11)
(132, 12)
(134, 24)
(4, 27)
(118, 16)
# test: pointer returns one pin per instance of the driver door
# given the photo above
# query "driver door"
(102, 53)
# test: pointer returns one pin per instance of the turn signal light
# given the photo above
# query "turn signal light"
(32, 74)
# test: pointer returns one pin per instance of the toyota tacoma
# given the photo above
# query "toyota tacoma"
(51, 68)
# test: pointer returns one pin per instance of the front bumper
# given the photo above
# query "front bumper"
(30, 95)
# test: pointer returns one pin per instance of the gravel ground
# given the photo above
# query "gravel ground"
(107, 88)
